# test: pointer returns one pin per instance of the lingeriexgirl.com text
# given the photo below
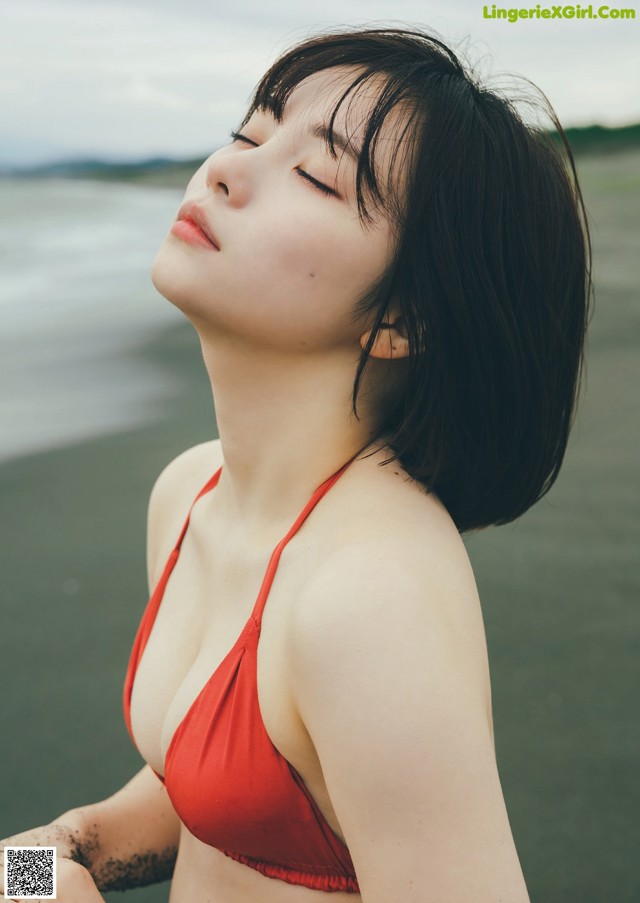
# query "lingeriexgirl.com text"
(556, 12)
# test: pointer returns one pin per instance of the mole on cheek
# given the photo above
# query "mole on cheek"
(312, 275)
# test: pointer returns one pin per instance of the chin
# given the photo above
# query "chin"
(170, 274)
(176, 278)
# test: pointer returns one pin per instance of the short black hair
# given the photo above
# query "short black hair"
(492, 272)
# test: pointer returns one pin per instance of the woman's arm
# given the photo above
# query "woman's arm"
(389, 670)
(128, 840)
(131, 838)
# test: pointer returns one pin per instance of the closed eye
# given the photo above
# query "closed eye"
(238, 136)
(319, 185)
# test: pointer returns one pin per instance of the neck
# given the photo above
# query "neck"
(285, 424)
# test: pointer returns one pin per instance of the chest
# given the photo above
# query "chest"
(205, 607)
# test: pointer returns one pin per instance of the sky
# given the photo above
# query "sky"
(128, 79)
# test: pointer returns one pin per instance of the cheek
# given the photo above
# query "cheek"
(302, 279)
(288, 276)
(334, 260)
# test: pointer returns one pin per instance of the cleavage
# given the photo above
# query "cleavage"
(210, 605)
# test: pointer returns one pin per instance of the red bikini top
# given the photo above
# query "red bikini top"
(228, 783)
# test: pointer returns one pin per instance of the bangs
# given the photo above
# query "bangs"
(385, 92)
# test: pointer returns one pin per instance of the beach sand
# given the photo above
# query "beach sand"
(559, 591)
(74, 589)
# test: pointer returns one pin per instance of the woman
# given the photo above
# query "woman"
(389, 276)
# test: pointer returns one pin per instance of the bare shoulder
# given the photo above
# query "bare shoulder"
(390, 676)
(172, 496)
(187, 471)
(398, 569)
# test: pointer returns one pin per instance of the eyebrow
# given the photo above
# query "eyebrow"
(337, 139)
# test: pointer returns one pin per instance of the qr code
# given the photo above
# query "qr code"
(30, 873)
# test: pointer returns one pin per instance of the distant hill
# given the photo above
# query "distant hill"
(168, 172)
(591, 139)
(155, 171)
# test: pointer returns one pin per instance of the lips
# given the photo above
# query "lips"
(191, 213)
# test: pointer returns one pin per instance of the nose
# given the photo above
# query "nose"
(228, 174)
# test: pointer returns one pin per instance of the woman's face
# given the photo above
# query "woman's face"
(293, 257)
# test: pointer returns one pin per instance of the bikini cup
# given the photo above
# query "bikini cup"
(229, 784)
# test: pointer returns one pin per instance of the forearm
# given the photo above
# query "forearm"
(128, 840)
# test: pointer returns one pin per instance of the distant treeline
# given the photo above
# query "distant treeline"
(600, 139)
(174, 173)
(158, 171)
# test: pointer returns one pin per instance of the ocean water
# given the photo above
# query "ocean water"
(76, 302)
